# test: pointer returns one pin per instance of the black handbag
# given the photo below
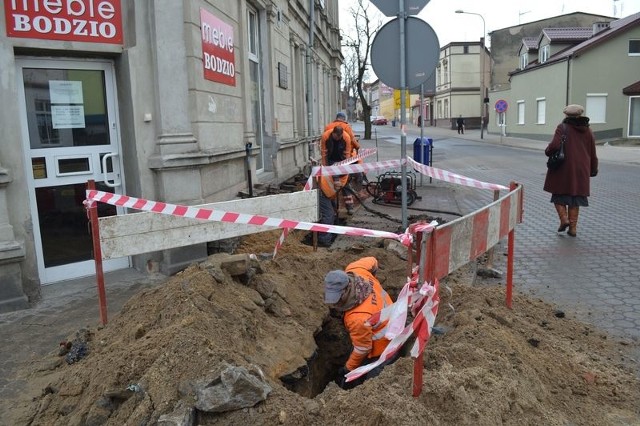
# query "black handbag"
(557, 158)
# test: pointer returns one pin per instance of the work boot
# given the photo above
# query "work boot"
(573, 221)
(562, 214)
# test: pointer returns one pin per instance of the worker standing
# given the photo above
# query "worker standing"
(341, 120)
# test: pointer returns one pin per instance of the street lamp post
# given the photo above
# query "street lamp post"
(482, 65)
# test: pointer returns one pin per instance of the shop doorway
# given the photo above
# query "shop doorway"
(70, 134)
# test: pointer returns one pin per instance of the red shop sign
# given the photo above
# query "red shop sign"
(217, 49)
(90, 21)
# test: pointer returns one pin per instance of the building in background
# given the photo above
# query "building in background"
(506, 42)
(161, 100)
(595, 66)
(460, 79)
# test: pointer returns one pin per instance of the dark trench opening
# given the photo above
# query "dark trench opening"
(334, 347)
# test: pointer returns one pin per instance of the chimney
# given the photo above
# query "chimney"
(599, 26)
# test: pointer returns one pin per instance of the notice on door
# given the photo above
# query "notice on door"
(65, 92)
(67, 116)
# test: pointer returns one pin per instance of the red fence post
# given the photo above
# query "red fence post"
(510, 251)
(92, 210)
(427, 267)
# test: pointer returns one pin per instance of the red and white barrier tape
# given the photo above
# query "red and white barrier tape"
(307, 187)
(452, 177)
(229, 217)
(280, 242)
(421, 326)
(346, 169)
(363, 153)
(432, 172)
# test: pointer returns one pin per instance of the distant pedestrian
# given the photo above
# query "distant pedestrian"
(569, 184)
(460, 123)
(419, 121)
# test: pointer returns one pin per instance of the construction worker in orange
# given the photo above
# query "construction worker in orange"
(357, 293)
(341, 120)
(335, 146)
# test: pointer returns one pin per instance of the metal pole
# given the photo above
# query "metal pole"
(309, 68)
(482, 95)
(403, 138)
(421, 128)
(247, 148)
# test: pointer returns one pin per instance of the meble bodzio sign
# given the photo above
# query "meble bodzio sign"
(91, 21)
(217, 49)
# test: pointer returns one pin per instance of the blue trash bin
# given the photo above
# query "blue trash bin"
(421, 150)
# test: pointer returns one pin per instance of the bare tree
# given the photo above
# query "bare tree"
(358, 40)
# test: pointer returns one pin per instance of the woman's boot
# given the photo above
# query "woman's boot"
(562, 214)
(573, 220)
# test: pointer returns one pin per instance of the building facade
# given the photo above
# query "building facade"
(462, 75)
(506, 42)
(599, 72)
(171, 100)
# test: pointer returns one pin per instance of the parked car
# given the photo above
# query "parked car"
(379, 120)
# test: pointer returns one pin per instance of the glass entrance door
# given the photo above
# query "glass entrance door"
(71, 136)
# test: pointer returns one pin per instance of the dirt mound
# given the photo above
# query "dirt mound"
(489, 365)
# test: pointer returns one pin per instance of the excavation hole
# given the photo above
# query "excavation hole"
(333, 351)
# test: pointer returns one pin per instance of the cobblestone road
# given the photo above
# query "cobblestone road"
(595, 275)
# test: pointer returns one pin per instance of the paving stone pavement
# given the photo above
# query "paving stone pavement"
(595, 275)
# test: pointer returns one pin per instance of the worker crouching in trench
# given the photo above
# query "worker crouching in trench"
(357, 293)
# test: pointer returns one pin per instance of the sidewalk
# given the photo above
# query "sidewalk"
(628, 154)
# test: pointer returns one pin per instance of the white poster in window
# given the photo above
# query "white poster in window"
(65, 92)
(67, 116)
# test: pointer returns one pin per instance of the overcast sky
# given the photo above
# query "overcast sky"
(497, 14)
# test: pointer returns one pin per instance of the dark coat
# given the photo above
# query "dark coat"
(581, 162)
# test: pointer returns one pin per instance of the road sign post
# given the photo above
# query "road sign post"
(412, 35)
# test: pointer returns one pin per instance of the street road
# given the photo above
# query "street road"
(594, 275)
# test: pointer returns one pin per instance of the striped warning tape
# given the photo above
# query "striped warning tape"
(426, 302)
(309, 185)
(230, 217)
(433, 172)
(452, 177)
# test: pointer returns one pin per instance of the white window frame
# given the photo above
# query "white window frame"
(633, 53)
(521, 112)
(596, 110)
(524, 60)
(544, 53)
(541, 110)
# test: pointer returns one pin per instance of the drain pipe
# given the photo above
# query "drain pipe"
(247, 148)
(309, 68)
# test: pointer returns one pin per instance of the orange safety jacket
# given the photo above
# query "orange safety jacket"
(327, 186)
(367, 339)
(347, 128)
(323, 145)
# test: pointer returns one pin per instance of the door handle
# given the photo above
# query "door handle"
(104, 170)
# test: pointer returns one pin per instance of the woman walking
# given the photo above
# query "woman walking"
(569, 183)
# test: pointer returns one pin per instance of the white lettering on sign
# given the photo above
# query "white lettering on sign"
(72, 20)
(219, 65)
(217, 49)
(217, 37)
